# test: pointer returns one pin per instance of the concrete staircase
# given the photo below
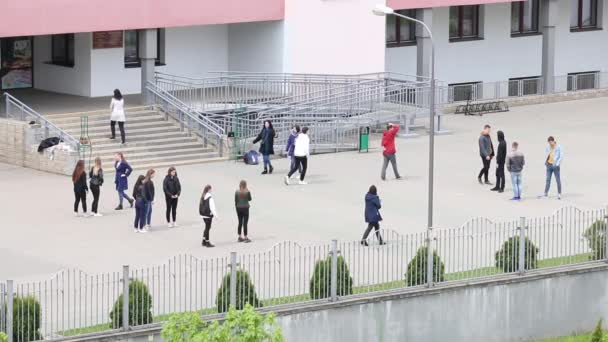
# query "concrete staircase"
(151, 142)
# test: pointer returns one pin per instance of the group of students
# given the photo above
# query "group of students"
(514, 162)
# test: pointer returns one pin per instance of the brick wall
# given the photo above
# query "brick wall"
(19, 146)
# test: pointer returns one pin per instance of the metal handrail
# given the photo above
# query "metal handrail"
(26, 111)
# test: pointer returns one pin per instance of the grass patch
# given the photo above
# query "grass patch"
(572, 338)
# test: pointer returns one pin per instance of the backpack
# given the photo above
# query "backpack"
(251, 158)
(204, 209)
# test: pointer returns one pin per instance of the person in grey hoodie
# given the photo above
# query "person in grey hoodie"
(486, 151)
(515, 165)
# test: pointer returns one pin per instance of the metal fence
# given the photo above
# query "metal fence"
(75, 303)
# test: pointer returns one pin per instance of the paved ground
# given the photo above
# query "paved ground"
(39, 235)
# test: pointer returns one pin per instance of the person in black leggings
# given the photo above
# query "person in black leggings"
(173, 190)
(79, 178)
(207, 211)
(95, 183)
(242, 197)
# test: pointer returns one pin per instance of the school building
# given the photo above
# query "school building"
(90, 47)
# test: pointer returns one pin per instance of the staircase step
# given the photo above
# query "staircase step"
(137, 162)
(104, 120)
(113, 145)
(162, 155)
(143, 138)
(154, 123)
(164, 164)
(96, 113)
(135, 132)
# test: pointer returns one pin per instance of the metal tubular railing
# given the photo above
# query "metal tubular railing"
(17, 110)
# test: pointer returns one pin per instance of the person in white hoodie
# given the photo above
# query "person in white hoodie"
(117, 106)
(301, 153)
(208, 212)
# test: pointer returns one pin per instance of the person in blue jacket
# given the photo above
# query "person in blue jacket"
(266, 138)
(372, 215)
(123, 170)
(290, 147)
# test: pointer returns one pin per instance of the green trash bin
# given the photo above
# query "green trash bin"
(364, 139)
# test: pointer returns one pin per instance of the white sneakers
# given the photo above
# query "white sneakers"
(172, 225)
(302, 183)
(97, 215)
(286, 180)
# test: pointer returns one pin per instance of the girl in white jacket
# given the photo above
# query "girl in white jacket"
(208, 212)
(117, 106)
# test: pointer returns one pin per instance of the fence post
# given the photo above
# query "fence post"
(429, 257)
(521, 267)
(9, 310)
(233, 279)
(334, 271)
(125, 297)
(606, 235)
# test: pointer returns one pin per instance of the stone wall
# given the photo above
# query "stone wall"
(19, 146)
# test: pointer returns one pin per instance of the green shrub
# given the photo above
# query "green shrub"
(3, 337)
(320, 283)
(416, 273)
(140, 306)
(26, 319)
(596, 238)
(507, 258)
(598, 334)
(245, 325)
(245, 292)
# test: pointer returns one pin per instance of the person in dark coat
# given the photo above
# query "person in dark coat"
(372, 215)
(501, 157)
(172, 189)
(140, 205)
(148, 193)
(79, 178)
(95, 183)
(123, 170)
(266, 139)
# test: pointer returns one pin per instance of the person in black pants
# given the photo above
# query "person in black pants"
(501, 157)
(207, 211)
(242, 197)
(140, 205)
(95, 183)
(486, 151)
(79, 178)
(173, 190)
(372, 215)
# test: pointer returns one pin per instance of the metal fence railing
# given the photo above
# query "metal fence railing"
(73, 303)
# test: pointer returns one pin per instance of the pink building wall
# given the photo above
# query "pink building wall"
(37, 17)
(409, 4)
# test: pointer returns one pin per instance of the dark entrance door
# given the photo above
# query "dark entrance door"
(16, 63)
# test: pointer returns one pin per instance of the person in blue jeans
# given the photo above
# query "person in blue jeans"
(140, 205)
(148, 195)
(123, 170)
(553, 161)
(515, 165)
(266, 139)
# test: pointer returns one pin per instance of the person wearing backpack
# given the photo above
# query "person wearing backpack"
(207, 211)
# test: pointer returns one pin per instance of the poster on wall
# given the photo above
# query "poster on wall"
(107, 39)
(16, 63)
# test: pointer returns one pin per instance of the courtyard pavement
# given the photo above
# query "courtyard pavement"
(39, 234)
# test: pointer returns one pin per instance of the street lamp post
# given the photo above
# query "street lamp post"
(383, 10)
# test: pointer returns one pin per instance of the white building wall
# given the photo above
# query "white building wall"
(333, 37)
(256, 47)
(402, 59)
(61, 79)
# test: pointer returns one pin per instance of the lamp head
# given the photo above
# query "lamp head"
(382, 10)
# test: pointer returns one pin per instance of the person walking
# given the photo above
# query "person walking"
(515, 165)
(117, 106)
(372, 215)
(140, 205)
(291, 145)
(266, 138)
(95, 183)
(123, 170)
(501, 156)
(301, 152)
(148, 193)
(553, 161)
(207, 211)
(79, 178)
(486, 151)
(390, 151)
(172, 189)
(242, 197)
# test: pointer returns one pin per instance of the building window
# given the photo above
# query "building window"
(131, 39)
(523, 86)
(464, 22)
(583, 15)
(583, 80)
(62, 49)
(399, 31)
(465, 91)
(524, 17)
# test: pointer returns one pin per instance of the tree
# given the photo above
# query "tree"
(507, 258)
(140, 306)
(416, 273)
(245, 292)
(596, 238)
(320, 283)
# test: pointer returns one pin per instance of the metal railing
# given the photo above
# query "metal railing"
(18, 110)
(75, 303)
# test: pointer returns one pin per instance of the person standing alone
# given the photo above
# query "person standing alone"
(95, 183)
(117, 106)
(501, 156)
(79, 178)
(553, 162)
(390, 151)
(242, 197)
(172, 189)
(515, 165)
(207, 211)
(266, 138)
(372, 215)
(486, 151)
(301, 153)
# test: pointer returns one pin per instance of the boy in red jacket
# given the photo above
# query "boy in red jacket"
(388, 142)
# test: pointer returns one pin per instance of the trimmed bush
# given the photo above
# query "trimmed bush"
(416, 273)
(245, 292)
(320, 283)
(596, 238)
(140, 306)
(598, 334)
(26, 319)
(507, 258)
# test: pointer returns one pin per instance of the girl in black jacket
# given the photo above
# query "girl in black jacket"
(79, 178)
(172, 189)
(95, 183)
(266, 138)
(501, 157)
(140, 206)
(148, 194)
